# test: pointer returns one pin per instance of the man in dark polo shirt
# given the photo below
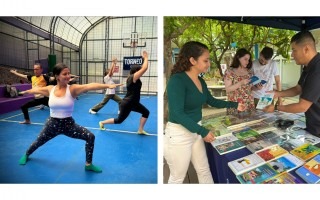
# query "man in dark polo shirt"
(304, 53)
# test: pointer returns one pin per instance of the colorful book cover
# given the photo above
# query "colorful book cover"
(248, 135)
(216, 126)
(245, 163)
(287, 163)
(272, 153)
(257, 175)
(305, 151)
(259, 145)
(229, 147)
(265, 100)
(283, 178)
(232, 122)
(310, 171)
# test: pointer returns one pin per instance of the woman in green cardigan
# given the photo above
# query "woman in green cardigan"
(184, 135)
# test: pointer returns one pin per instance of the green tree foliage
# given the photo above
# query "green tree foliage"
(219, 35)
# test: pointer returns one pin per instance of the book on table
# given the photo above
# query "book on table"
(229, 147)
(310, 171)
(245, 163)
(297, 133)
(223, 139)
(305, 151)
(309, 138)
(271, 153)
(304, 136)
(288, 116)
(291, 144)
(272, 133)
(247, 135)
(265, 100)
(257, 175)
(283, 178)
(233, 122)
(270, 120)
(216, 126)
(279, 139)
(300, 124)
(287, 163)
(261, 127)
(259, 145)
(253, 117)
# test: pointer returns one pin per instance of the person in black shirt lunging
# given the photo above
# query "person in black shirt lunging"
(131, 102)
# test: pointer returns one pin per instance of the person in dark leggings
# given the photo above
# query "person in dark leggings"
(38, 80)
(131, 101)
(61, 102)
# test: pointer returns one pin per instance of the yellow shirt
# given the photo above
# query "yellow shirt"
(38, 82)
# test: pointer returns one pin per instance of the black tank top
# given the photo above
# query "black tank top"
(133, 90)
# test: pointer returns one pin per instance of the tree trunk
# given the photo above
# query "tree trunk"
(167, 66)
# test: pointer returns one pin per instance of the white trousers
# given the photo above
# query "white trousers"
(180, 147)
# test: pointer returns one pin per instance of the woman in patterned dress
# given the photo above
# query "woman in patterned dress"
(236, 80)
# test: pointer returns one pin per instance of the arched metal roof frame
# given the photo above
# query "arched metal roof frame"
(50, 28)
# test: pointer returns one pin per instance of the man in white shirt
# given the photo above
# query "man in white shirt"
(110, 93)
(266, 69)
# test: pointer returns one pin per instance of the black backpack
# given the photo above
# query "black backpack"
(11, 91)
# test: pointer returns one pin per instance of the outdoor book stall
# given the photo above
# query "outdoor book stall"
(262, 148)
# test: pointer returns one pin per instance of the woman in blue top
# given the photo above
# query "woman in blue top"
(61, 103)
(184, 135)
(131, 102)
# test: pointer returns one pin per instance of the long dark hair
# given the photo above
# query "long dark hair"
(239, 54)
(190, 49)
